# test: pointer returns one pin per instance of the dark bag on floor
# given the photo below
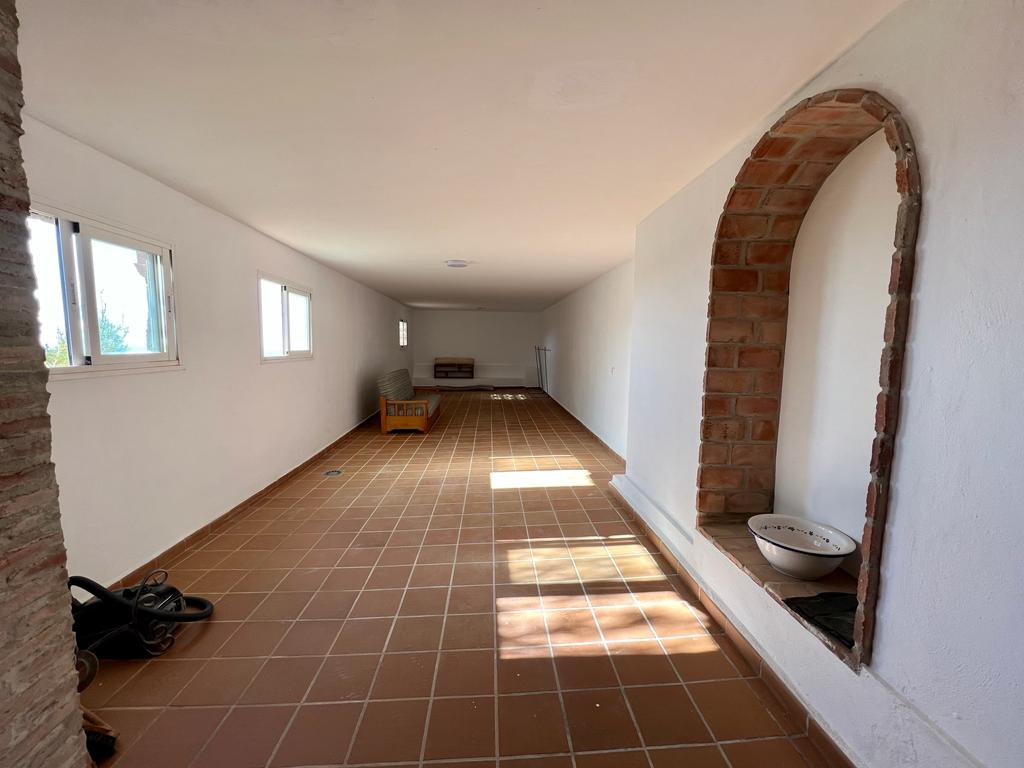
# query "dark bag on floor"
(136, 622)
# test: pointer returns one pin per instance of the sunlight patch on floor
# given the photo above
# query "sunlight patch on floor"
(541, 478)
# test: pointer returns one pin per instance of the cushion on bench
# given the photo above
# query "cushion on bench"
(433, 401)
(396, 385)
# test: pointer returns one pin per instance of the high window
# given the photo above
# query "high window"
(403, 333)
(106, 298)
(286, 320)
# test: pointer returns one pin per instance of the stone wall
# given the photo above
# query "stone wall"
(40, 721)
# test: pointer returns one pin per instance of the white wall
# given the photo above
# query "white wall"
(501, 343)
(144, 460)
(944, 688)
(838, 295)
(588, 365)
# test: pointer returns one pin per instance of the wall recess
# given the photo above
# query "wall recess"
(747, 315)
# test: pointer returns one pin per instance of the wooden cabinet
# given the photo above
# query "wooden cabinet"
(453, 367)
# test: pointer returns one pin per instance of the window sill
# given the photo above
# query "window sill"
(285, 359)
(72, 373)
(736, 542)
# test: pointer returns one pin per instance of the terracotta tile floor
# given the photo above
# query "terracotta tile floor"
(468, 598)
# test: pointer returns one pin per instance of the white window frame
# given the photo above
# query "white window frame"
(81, 312)
(86, 234)
(403, 333)
(287, 287)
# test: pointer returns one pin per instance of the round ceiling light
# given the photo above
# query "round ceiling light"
(456, 263)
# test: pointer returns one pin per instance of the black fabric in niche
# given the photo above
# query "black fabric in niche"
(831, 612)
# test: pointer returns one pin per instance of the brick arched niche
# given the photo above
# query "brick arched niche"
(747, 311)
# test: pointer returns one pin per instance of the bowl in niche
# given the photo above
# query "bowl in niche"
(800, 548)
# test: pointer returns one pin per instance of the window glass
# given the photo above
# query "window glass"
(44, 248)
(272, 330)
(127, 286)
(403, 333)
(298, 322)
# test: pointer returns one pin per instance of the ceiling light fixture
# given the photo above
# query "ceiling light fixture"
(456, 263)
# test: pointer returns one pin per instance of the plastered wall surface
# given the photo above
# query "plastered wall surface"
(944, 687)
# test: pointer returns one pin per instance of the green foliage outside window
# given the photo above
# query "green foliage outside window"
(112, 341)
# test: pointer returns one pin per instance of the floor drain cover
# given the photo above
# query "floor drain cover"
(332, 472)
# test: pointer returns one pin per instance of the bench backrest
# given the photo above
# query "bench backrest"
(396, 385)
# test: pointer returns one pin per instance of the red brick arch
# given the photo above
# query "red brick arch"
(748, 305)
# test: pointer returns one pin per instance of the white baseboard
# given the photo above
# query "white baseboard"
(666, 526)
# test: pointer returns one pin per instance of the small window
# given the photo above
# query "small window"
(403, 333)
(286, 320)
(105, 298)
(124, 283)
(44, 249)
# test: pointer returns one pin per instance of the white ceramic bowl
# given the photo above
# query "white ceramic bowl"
(798, 547)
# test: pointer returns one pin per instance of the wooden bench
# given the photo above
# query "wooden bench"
(401, 407)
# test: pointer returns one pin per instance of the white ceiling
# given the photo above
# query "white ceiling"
(384, 137)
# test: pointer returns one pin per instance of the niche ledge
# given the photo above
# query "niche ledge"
(735, 541)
